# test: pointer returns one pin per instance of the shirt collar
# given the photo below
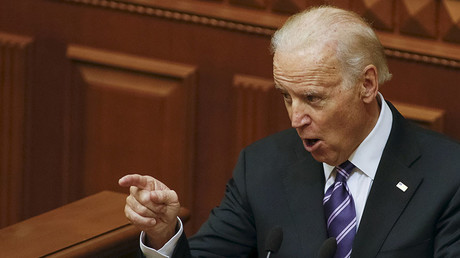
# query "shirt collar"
(367, 156)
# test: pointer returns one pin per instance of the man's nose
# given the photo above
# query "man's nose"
(299, 117)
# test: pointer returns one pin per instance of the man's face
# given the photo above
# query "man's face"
(329, 117)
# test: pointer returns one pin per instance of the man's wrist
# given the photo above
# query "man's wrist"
(167, 249)
(157, 241)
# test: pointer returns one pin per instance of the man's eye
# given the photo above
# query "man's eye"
(286, 95)
(313, 98)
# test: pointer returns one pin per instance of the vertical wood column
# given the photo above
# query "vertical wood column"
(15, 52)
(259, 109)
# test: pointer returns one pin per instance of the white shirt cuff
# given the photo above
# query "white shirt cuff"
(167, 250)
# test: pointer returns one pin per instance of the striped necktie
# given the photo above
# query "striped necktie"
(340, 212)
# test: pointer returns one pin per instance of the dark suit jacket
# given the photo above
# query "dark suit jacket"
(277, 182)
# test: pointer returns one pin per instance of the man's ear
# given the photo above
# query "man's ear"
(370, 84)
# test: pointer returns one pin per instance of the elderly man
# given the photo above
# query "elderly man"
(352, 168)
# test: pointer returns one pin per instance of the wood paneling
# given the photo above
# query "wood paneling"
(378, 12)
(419, 18)
(249, 3)
(290, 6)
(450, 21)
(259, 110)
(15, 57)
(138, 116)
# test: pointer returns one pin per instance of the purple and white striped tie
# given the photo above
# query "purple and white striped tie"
(340, 212)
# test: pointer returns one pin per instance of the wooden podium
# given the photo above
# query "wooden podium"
(91, 227)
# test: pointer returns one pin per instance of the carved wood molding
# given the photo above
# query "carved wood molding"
(433, 60)
(15, 57)
(421, 50)
(199, 13)
(129, 62)
(252, 82)
(243, 20)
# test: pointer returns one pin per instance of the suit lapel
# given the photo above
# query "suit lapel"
(385, 204)
(386, 201)
(304, 186)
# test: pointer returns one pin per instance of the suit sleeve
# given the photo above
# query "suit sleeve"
(447, 239)
(182, 249)
(229, 230)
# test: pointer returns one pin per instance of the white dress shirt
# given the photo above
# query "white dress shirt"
(366, 158)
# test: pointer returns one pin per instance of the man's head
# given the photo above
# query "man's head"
(328, 64)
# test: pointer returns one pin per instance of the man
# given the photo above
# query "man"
(353, 169)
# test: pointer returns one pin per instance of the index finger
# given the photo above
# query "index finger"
(142, 182)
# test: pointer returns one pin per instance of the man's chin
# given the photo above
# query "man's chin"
(323, 158)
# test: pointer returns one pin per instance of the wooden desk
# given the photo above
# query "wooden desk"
(92, 227)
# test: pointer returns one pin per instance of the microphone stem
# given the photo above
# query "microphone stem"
(268, 254)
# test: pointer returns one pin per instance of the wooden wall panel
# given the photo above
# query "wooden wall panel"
(138, 117)
(340, 3)
(15, 58)
(249, 3)
(379, 12)
(419, 18)
(450, 21)
(291, 6)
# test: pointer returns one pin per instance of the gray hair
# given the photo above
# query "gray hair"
(357, 44)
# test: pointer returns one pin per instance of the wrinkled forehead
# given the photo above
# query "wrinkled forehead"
(306, 68)
(313, 58)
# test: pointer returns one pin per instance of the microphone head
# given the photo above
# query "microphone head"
(328, 248)
(274, 239)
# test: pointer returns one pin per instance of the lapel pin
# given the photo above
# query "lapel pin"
(402, 186)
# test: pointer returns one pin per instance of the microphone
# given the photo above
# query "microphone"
(273, 241)
(328, 248)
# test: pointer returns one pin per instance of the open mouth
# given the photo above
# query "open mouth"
(311, 142)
